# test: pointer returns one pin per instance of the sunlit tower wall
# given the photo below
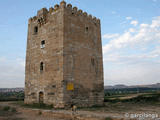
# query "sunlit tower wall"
(64, 58)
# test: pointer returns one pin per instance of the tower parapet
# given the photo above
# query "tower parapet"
(56, 7)
(51, 9)
(73, 10)
(63, 4)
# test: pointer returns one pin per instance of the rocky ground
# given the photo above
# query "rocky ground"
(111, 111)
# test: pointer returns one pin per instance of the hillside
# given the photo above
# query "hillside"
(121, 86)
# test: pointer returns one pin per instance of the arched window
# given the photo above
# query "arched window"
(35, 30)
(41, 66)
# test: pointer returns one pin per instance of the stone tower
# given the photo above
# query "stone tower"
(64, 58)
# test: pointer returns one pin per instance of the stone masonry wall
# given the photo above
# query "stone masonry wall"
(48, 81)
(83, 65)
(71, 56)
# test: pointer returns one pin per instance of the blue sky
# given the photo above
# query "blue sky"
(130, 37)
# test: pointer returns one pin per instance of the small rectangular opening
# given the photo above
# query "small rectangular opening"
(86, 29)
(41, 66)
(35, 30)
(42, 43)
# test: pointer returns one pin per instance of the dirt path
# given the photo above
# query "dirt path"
(117, 111)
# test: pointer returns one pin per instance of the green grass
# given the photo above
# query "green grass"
(7, 111)
(108, 118)
(144, 98)
(12, 96)
(93, 108)
(40, 113)
(6, 108)
(13, 110)
(117, 96)
(34, 105)
(118, 104)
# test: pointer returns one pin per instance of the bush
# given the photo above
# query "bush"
(6, 108)
(38, 105)
(39, 113)
(108, 118)
(13, 110)
(11, 96)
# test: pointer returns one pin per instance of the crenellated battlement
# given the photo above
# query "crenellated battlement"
(73, 10)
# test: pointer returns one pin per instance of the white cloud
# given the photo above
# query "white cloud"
(143, 35)
(136, 74)
(117, 43)
(128, 18)
(2, 59)
(155, 22)
(110, 36)
(131, 30)
(134, 22)
(134, 56)
(144, 25)
(114, 12)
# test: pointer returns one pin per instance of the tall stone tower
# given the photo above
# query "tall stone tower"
(64, 58)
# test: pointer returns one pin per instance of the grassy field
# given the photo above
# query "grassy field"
(128, 102)
(11, 96)
(135, 98)
(9, 113)
(35, 105)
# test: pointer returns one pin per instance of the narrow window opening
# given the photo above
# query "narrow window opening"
(87, 28)
(43, 44)
(41, 66)
(54, 86)
(35, 30)
(41, 97)
(93, 61)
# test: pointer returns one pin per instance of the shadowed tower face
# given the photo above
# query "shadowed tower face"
(64, 58)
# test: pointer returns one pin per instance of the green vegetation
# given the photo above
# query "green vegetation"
(131, 95)
(108, 118)
(155, 97)
(34, 105)
(13, 110)
(9, 113)
(39, 106)
(6, 108)
(11, 96)
(123, 91)
(39, 113)
(93, 108)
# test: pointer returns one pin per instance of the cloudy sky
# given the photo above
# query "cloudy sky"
(130, 37)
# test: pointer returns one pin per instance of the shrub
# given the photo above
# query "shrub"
(108, 118)
(39, 113)
(6, 108)
(38, 105)
(13, 110)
